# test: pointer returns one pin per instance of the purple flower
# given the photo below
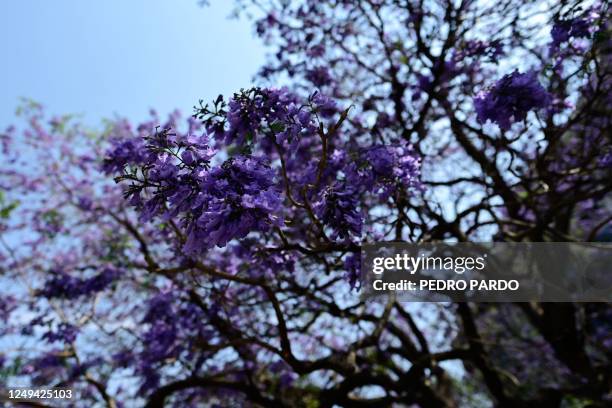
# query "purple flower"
(164, 169)
(162, 334)
(63, 285)
(255, 113)
(352, 264)
(316, 51)
(387, 168)
(225, 202)
(123, 358)
(130, 151)
(85, 203)
(319, 76)
(337, 207)
(234, 199)
(170, 327)
(49, 360)
(100, 281)
(510, 99)
(563, 30)
(7, 305)
(65, 333)
(324, 105)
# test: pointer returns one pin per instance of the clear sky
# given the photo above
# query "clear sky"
(107, 57)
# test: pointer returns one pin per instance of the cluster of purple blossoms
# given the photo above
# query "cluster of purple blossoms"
(65, 286)
(256, 113)
(319, 76)
(563, 30)
(216, 205)
(172, 176)
(168, 324)
(231, 200)
(155, 154)
(338, 208)
(126, 151)
(323, 105)
(352, 265)
(385, 169)
(7, 305)
(465, 59)
(65, 333)
(511, 98)
(161, 338)
(52, 359)
(393, 166)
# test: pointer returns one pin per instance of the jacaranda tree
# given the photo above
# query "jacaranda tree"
(215, 261)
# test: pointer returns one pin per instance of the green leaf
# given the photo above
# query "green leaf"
(277, 127)
(6, 211)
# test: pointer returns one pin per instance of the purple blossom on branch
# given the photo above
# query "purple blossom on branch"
(319, 76)
(338, 207)
(170, 176)
(7, 305)
(234, 199)
(254, 114)
(510, 99)
(65, 333)
(64, 285)
(352, 264)
(386, 169)
(563, 30)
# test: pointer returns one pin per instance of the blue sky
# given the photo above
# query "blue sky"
(105, 57)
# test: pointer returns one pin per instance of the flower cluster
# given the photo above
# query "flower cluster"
(352, 265)
(319, 76)
(46, 362)
(63, 285)
(338, 207)
(577, 27)
(511, 98)
(124, 151)
(7, 305)
(385, 169)
(168, 321)
(172, 176)
(393, 166)
(259, 112)
(230, 201)
(65, 333)
(563, 30)
(216, 204)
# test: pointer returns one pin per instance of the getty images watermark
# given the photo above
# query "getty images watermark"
(456, 264)
(489, 272)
